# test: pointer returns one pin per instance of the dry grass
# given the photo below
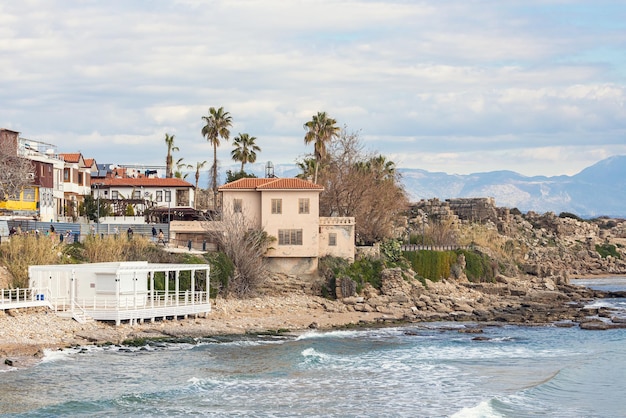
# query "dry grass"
(111, 248)
(500, 247)
(26, 250)
(22, 251)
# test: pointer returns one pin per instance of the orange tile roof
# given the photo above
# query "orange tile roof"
(141, 181)
(244, 183)
(89, 162)
(271, 184)
(73, 157)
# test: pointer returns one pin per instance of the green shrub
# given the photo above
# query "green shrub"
(437, 265)
(362, 271)
(479, 267)
(392, 250)
(365, 270)
(327, 267)
(606, 250)
(222, 270)
(569, 215)
(431, 265)
(184, 276)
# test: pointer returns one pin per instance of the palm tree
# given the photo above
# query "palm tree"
(179, 167)
(307, 166)
(383, 168)
(245, 149)
(169, 141)
(216, 126)
(388, 167)
(199, 166)
(320, 130)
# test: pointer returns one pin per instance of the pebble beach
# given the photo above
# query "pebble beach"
(26, 333)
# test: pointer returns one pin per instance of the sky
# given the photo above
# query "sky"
(456, 86)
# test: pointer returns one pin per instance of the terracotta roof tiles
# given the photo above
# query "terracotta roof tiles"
(141, 181)
(271, 184)
(73, 157)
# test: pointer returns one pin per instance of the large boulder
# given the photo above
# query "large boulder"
(395, 285)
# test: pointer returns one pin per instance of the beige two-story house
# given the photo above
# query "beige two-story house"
(288, 209)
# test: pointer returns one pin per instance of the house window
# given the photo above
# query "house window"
(277, 206)
(303, 205)
(80, 179)
(29, 195)
(289, 237)
(237, 203)
(159, 195)
(66, 174)
(168, 195)
(332, 239)
(137, 194)
(114, 195)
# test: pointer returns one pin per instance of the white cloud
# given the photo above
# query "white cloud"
(448, 86)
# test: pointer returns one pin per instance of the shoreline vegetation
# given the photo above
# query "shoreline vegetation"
(26, 333)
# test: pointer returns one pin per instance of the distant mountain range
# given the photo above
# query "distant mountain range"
(599, 190)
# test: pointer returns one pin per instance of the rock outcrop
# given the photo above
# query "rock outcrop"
(546, 244)
(508, 300)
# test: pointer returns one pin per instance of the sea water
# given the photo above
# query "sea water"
(418, 370)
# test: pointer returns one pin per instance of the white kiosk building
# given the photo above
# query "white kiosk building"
(123, 291)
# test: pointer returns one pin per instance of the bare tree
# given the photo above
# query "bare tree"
(363, 185)
(15, 171)
(245, 245)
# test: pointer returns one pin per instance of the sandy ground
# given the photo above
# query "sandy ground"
(24, 334)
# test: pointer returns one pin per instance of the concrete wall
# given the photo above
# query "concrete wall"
(343, 230)
(293, 265)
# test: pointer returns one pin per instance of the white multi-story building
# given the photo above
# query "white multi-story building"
(142, 193)
(43, 198)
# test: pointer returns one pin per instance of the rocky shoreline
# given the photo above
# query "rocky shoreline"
(25, 334)
(543, 251)
(527, 301)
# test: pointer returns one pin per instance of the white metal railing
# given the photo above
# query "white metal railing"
(161, 299)
(17, 295)
(448, 247)
(22, 298)
(79, 313)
